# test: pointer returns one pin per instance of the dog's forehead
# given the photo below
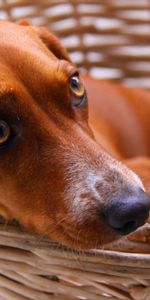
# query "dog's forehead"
(19, 40)
(24, 56)
(30, 70)
(22, 51)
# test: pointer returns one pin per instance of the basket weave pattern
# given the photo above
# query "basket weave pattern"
(36, 268)
(109, 38)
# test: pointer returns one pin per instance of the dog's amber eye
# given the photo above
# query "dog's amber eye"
(4, 132)
(78, 91)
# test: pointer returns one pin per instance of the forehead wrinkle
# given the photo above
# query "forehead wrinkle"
(45, 77)
(67, 68)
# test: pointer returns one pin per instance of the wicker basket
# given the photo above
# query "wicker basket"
(109, 38)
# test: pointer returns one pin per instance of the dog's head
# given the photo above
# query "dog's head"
(54, 178)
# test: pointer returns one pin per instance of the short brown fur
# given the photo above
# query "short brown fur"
(45, 173)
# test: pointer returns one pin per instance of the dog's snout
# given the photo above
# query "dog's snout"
(127, 213)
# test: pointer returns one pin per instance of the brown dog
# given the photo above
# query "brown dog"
(55, 178)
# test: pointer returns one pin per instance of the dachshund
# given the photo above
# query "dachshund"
(74, 150)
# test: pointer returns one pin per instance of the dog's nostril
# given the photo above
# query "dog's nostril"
(127, 214)
(127, 227)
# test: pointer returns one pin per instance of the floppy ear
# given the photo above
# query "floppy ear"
(52, 43)
(24, 22)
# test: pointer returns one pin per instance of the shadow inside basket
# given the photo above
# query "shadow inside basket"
(12, 234)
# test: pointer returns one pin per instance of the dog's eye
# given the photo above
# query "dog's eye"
(79, 96)
(4, 132)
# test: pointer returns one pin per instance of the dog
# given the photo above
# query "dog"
(66, 170)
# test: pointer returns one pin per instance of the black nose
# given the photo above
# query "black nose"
(128, 213)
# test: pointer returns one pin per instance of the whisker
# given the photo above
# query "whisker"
(48, 232)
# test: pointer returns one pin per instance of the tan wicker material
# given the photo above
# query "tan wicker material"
(36, 268)
(111, 39)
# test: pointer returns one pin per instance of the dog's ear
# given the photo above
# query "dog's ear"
(24, 22)
(52, 43)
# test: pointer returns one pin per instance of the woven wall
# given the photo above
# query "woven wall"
(110, 38)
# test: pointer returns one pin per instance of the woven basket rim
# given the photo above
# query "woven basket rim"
(117, 250)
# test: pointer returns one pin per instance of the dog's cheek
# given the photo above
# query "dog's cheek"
(5, 212)
(27, 210)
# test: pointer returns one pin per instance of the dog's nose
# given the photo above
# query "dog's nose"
(127, 214)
